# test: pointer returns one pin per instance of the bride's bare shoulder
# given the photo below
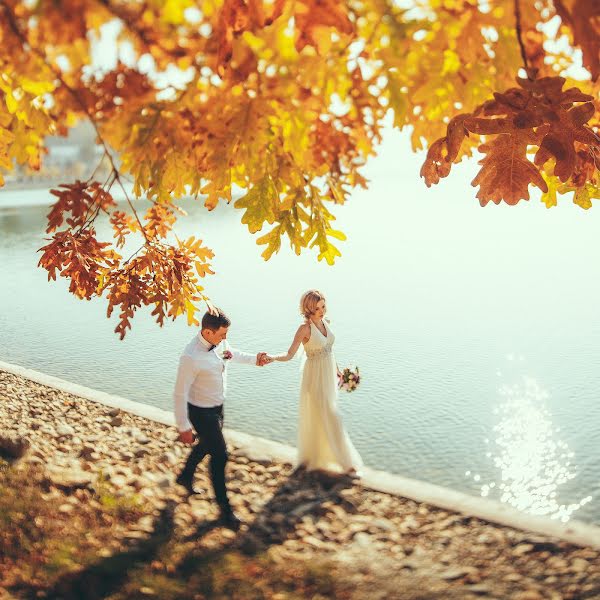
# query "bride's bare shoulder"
(304, 329)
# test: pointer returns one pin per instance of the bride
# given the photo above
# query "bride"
(322, 441)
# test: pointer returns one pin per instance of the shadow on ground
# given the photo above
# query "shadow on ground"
(225, 570)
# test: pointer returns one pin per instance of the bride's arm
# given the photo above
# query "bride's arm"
(303, 334)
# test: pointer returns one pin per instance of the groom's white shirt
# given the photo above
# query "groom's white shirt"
(202, 377)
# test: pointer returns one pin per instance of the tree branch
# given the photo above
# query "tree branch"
(519, 31)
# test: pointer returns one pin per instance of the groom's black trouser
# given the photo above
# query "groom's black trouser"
(208, 424)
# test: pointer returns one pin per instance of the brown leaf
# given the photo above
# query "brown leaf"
(584, 170)
(455, 135)
(233, 19)
(83, 200)
(564, 132)
(436, 165)
(506, 172)
(79, 257)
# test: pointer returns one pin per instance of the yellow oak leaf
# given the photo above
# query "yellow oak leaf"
(260, 203)
(549, 198)
(272, 240)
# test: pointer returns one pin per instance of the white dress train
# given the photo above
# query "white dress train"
(322, 440)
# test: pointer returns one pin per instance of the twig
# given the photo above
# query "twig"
(93, 208)
(91, 177)
(520, 38)
(134, 254)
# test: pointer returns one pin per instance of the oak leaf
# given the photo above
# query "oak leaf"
(506, 172)
(260, 204)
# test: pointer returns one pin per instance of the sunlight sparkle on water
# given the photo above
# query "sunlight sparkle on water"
(532, 462)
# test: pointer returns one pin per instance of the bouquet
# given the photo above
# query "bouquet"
(348, 379)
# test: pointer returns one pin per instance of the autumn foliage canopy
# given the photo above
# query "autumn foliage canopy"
(281, 103)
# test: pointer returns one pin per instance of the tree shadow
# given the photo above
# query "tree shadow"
(107, 576)
(302, 494)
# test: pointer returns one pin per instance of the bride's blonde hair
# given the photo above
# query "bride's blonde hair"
(309, 301)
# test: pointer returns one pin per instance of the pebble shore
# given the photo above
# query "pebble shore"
(389, 546)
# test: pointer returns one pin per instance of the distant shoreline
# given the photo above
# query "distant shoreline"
(19, 187)
(33, 196)
(24, 197)
(20, 197)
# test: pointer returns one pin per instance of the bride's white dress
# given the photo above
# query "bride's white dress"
(322, 440)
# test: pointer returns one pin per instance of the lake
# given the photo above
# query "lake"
(476, 331)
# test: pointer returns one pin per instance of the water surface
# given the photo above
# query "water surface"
(476, 332)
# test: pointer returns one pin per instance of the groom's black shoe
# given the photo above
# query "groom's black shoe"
(229, 519)
(188, 485)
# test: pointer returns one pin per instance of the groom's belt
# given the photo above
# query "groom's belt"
(208, 409)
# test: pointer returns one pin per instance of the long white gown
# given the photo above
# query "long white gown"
(322, 440)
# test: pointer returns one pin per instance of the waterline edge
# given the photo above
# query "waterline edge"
(257, 448)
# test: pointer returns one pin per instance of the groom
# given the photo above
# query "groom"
(199, 394)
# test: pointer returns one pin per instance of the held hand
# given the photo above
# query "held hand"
(187, 437)
(262, 359)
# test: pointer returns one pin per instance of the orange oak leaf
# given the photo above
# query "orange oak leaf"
(233, 19)
(79, 257)
(119, 88)
(506, 172)
(160, 219)
(127, 289)
(436, 165)
(123, 224)
(584, 170)
(82, 199)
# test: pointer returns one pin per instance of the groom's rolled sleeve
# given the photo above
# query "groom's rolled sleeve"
(185, 377)
(242, 358)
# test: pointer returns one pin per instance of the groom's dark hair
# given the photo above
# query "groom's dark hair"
(215, 321)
